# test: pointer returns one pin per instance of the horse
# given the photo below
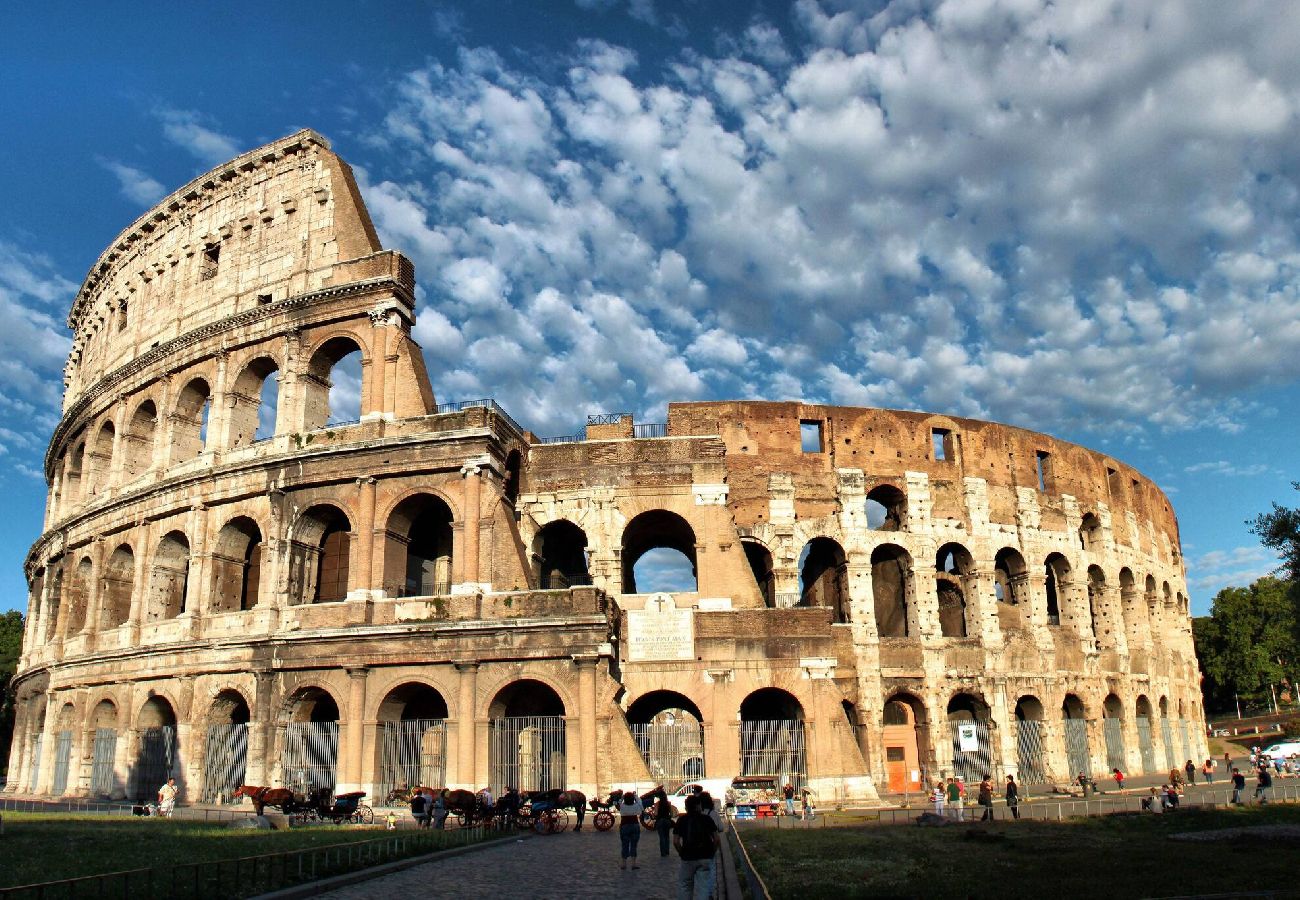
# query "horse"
(561, 799)
(263, 797)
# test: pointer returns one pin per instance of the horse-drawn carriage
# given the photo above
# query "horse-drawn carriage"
(316, 805)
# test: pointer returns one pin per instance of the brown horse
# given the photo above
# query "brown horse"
(561, 799)
(263, 797)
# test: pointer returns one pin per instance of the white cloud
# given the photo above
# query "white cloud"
(136, 186)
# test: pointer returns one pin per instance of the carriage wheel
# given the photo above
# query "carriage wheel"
(604, 820)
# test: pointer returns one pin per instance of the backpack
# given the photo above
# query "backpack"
(697, 838)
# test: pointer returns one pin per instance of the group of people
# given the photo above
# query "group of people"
(949, 798)
(695, 835)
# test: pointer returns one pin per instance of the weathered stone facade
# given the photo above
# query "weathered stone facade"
(881, 596)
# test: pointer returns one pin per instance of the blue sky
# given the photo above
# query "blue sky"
(1079, 218)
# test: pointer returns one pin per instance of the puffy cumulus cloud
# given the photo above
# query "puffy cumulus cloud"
(1045, 213)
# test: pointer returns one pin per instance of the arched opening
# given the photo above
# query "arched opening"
(254, 402)
(310, 755)
(99, 465)
(972, 746)
(119, 584)
(332, 386)
(1112, 722)
(886, 508)
(190, 420)
(419, 551)
(1096, 603)
(669, 731)
(772, 740)
(1075, 726)
(156, 749)
(560, 556)
(952, 569)
(319, 549)
(510, 480)
(905, 767)
(1090, 532)
(1030, 758)
(79, 598)
(225, 753)
(138, 442)
(760, 564)
(413, 739)
(237, 566)
(104, 783)
(526, 741)
(169, 578)
(1058, 576)
(658, 554)
(1146, 746)
(823, 578)
(1011, 589)
(891, 569)
(63, 728)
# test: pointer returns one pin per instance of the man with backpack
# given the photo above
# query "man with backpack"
(696, 838)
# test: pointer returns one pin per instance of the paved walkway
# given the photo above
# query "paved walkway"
(544, 866)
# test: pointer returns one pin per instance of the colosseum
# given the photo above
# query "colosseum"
(249, 574)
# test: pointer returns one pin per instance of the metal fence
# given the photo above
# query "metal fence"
(673, 754)
(155, 762)
(1113, 731)
(1145, 747)
(38, 748)
(225, 759)
(310, 756)
(103, 780)
(774, 747)
(1029, 751)
(414, 755)
(1076, 747)
(526, 752)
(62, 761)
(1167, 733)
(971, 763)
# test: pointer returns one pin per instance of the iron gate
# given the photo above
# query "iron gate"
(1144, 745)
(1029, 751)
(1167, 733)
(155, 762)
(971, 764)
(38, 747)
(225, 756)
(310, 756)
(526, 752)
(1113, 731)
(673, 754)
(414, 755)
(1076, 747)
(102, 782)
(774, 747)
(62, 760)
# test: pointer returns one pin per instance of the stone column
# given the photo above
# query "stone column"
(588, 779)
(466, 725)
(352, 774)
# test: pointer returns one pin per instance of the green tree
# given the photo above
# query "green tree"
(11, 644)
(1248, 642)
(1280, 529)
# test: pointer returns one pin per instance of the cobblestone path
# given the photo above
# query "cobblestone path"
(550, 866)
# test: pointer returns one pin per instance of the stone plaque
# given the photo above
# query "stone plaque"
(660, 631)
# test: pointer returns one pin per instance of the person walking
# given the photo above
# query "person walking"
(167, 798)
(1013, 797)
(788, 793)
(696, 838)
(1190, 768)
(1238, 785)
(985, 797)
(629, 828)
(954, 798)
(664, 822)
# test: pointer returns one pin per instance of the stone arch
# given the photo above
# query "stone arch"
(190, 415)
(1011, 589)
(99, 466)
(891, 575)
(418, 547)
(1057, 569)
(953, 569)
(237, 565)
(886, 508)
(823, 577)
(119, 585)
(329, 399)
(655, 531)
(560, 555)
(319, 555)
(255, 402)
(138, 441)
(759, 558)
(169, 578)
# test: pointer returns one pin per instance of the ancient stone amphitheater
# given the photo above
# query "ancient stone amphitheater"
(248, 575)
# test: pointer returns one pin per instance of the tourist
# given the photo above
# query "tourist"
(788, 793)
(696, 838)
(629, 828)
(1263, 784)
(664, 821)
(167, 798)
(1207, 771)
(938, 796)
(1190, 768)
(954, 799)
(1238, 785)
(985, 797)
(420, 810)
(1013, 797)
(1119, 778)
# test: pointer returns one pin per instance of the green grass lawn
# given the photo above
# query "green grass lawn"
(1112, 857)
(40, 847)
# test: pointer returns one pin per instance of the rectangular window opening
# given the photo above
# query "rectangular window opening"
(1041, 461)
(810, 436)
(208, 263)
(941, 441)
